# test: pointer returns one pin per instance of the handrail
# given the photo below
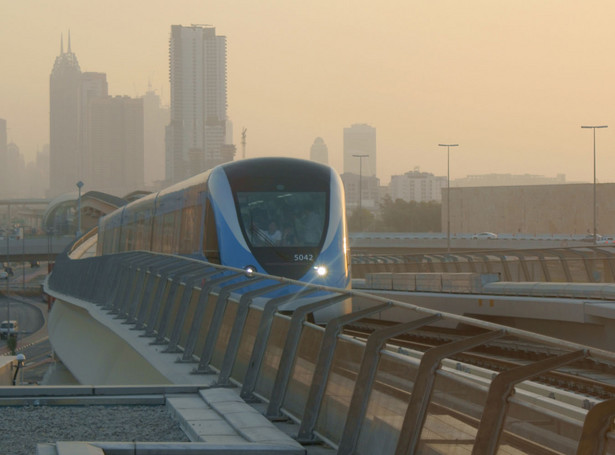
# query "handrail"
(358, 366)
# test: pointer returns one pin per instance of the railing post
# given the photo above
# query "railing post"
(176, 279)
(323, 366)
(232, 347)
(411, 429)
(200, 313)
(365, 378)
(184, 304)
(216, 322)
(290, 351)
(260, 343)
(598, 423)
(492, 420)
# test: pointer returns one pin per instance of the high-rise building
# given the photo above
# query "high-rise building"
(319, 151)
(37, 174)
(93, 85)
(360, 139)
(116, 144)
(64, 116)
(417, 186)
(94, 138)
(195, 136)
(363, 191)
(155, 119)
(16, 172)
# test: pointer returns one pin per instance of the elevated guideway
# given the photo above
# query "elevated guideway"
(186, 319)
(579, 312)
(580, 264)
(407, 242)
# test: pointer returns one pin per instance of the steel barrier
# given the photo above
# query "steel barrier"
(591, 264)
(360, 395)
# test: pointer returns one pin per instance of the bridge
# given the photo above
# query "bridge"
(158, 319)
(33, 248)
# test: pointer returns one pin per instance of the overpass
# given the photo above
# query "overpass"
(33, 248)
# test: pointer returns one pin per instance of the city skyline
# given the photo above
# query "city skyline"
(512, 91)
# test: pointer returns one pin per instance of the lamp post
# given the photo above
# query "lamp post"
(79, 185)
(448, 194)
(594, 128)
(8, 267)
(23, 258)
(361, 189)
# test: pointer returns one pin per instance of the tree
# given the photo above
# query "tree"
(364, 222)
(402, 216)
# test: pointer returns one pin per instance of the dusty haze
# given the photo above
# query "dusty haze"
(510, 81)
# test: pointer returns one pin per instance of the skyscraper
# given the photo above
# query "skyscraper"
(155, 119)
(360, 139)
(195, 137)
(319, 151)
(64, 112)
(93, 86)
(115, 135)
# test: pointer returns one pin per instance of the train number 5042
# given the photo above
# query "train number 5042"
(303, 257)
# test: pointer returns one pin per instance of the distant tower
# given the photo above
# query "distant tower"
(93, 85)
(319, 151)
(360, 139)
(195, 137)
(155, 119)
(116, 144)
(64, 110)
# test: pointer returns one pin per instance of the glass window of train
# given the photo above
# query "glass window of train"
(168, 226)
(299, 214)
(210, 236)
(190, 230)
(157, 234)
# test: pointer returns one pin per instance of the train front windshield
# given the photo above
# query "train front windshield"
(286, 219)
(283, 210)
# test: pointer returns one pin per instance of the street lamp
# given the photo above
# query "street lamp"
(79, 185)
(8, 267)
(360, 189)
(594, 128)
(448, 194)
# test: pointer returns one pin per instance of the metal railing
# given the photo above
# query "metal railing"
(358, 395)
(562, 265)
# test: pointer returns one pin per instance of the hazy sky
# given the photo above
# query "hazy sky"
(510, 81)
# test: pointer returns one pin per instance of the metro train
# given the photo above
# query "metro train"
(278, 216)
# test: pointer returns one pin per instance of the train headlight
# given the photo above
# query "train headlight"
(249, 269)
(321, 270)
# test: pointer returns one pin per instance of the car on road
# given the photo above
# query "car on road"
(8, 328)
(590, 238)
(4, 275)
(485, 236)
(606, 241)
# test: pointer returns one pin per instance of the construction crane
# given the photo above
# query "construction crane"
(243, 142)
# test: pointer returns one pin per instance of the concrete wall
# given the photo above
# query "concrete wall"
(77, 337)
(7, 369)
(538, 209)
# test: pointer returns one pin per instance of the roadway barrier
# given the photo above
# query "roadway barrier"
(361, 395)
(589, 264)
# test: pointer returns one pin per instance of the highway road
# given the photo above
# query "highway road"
(32, 340)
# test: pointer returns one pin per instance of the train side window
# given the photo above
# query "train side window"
(210, 236)
(168, 232)
(189, 229)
